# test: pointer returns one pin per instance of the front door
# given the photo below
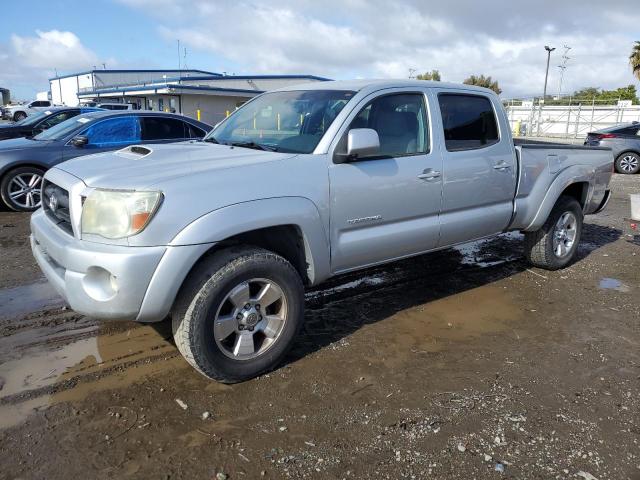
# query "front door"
(479, 170)
(106, 135)
(386, 206)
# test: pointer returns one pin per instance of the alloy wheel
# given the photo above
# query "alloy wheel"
(250, 319)
(629, 163)
(25, 190)
(564, 234)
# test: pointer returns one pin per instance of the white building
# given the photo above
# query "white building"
(196, 93)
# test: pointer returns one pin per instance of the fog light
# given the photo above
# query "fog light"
(100, 284)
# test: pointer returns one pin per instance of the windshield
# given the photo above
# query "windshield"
(32, 119)
(63, 129)
(291, 121)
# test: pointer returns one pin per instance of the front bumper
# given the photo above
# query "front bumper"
(102, 281)
(111, 281)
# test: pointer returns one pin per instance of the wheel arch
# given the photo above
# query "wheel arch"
(290, 227)
(12, 166)
(575, 186)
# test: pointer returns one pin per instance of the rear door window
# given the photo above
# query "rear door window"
(193, 131)
(113, 132)
(159, 128)
(469, 121)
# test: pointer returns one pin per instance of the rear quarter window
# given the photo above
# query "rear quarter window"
(469, 121)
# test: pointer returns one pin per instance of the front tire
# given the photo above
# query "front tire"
(238, 313)
(21, 189)
(19, 116)
(554, 246)
(628, 163)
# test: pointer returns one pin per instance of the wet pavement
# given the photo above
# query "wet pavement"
(464, 363)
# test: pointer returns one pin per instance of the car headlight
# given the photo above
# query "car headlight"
(117, 213)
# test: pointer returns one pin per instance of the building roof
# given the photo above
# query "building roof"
(161, 70)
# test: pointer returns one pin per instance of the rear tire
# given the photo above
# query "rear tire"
(554, 245)
(628, 163)
(21, 189)
(238, 313)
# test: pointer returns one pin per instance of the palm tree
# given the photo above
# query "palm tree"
(634, 59)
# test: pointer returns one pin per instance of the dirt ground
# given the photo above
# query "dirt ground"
(459, 364)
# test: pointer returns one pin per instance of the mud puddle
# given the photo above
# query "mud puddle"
(613, 284)
(25, 299)
(46, 373)
(433, 326)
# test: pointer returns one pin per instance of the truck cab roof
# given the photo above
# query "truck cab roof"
(380, 84)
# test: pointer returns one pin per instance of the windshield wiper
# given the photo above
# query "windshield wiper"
(210, 140)
(254, 145)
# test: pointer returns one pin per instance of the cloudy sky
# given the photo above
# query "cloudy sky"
(331, 38)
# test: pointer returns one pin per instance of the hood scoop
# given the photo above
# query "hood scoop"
(135, 151)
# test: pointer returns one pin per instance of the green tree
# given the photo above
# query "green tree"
(482, 81)
(634, 60)
(432, 75)
(609, 97)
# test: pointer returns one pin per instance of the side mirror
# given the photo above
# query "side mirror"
(361, 142)
(79, 141)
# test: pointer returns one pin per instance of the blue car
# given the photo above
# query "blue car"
(23, 161)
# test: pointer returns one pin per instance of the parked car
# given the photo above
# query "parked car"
(41, 121)
(22, 111)
(296, 186)
(624, 140)
(23, 161)
(112, 105)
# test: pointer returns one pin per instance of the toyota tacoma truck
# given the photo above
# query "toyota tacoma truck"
(298, 185)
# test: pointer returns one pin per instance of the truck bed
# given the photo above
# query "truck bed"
(545, 170)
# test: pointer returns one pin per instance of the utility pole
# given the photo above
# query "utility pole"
(546, 77)
(411, 73)
(563, 67)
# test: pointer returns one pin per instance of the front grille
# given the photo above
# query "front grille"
(55, 203)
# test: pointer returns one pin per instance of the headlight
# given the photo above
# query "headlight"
(118, 213)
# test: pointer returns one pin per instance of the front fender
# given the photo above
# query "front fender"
(239, 218)
(574, 174)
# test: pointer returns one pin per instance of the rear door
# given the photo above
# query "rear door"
(156, 129)
(386, 206)
(479, 166)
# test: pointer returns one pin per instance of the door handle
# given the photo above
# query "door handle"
(502, 166)
(429, 174)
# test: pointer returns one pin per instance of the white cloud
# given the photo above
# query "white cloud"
(376, 38)
(53, 49)
(29, 61)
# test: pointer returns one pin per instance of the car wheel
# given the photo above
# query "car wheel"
(628, 163)
(19, 116)
(554, 245)
(21, 189)
(238, 313)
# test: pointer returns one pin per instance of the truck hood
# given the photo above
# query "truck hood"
(130, 169)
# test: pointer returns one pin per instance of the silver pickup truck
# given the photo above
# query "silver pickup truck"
(298, 185)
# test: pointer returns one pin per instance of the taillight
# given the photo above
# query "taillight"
(600, 136)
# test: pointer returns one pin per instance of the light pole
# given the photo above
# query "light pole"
(546, 77)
